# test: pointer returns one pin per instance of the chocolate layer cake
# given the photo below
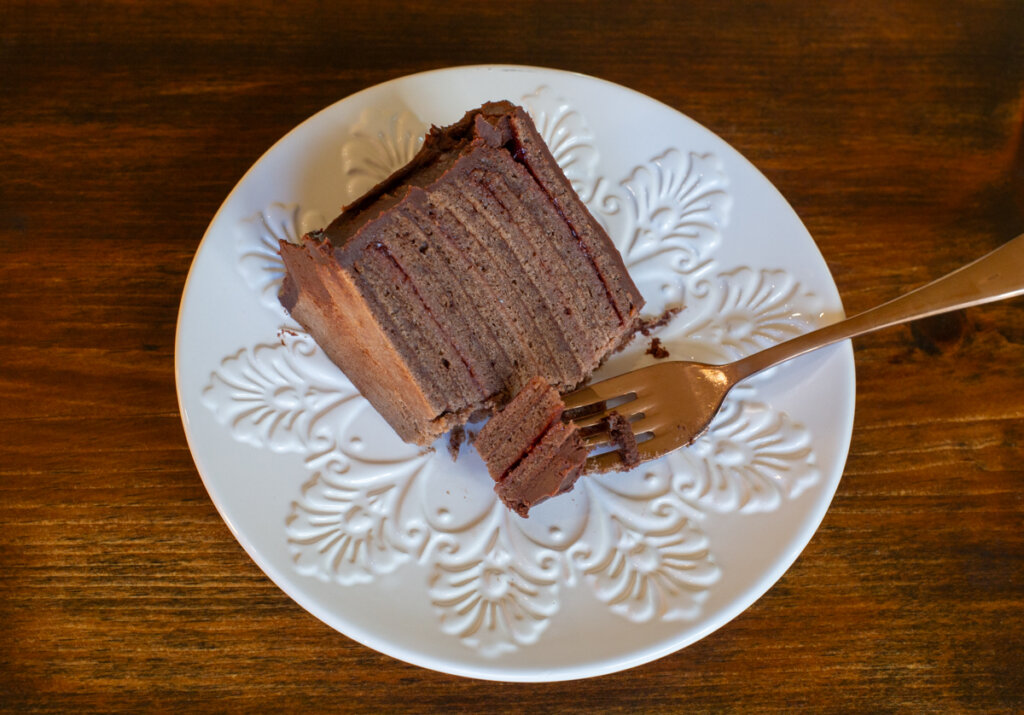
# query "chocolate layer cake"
(530, 453)
(463, 274)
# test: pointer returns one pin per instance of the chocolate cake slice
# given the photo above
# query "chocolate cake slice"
(530, 452)
(474, 267)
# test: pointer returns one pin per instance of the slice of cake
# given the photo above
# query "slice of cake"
(474, 267)
(530, 452)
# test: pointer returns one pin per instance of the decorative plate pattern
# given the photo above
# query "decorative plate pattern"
(368, 511)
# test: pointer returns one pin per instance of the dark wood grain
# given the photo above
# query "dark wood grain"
(895, 129)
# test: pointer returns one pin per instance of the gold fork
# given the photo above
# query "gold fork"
(669, 404)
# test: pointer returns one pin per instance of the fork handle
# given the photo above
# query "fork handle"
(995, 276)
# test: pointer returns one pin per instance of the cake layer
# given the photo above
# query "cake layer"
(511, 433)
(529, 451)
(551, 468)
(469, 270)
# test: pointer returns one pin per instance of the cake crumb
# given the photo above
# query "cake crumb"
(285, 331)
(646, 326)
(656, 349)
(455, 440)
(624, 440)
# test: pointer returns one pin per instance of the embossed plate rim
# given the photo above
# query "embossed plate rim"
(420, 653)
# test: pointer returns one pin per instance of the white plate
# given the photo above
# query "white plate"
(411, 553)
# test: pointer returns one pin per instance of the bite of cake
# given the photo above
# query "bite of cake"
(530, 452)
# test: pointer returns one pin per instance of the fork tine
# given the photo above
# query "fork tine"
(639, 404)
(603, 391)
(612, 461)
(607, 462)
(626, 409)
(644, 425)
(649, 422)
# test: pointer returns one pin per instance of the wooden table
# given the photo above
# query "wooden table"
(894, 129)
